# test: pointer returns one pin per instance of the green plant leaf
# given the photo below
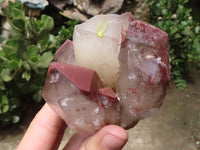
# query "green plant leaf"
(16, 13)
(44, 45)
(43, 34)
(26, 66)
(2, 86)
(15, 4)
(6, 75)
(2, 53)
(181, 84)
(22, 50)
(4, 109)
(32, 29)
(46, 22)
(11, 47)
(164, 12)
(8, 50)
(6, 12)
(33, 66)
(4, 100)
(4, 105)
(14, 64)
(197, 28)
(173, 30)
(177, 36)
(33, 52)
(38, 96)
(15, 119)
(45, 60)
(12, 43)
(26, 75)
(187, 32)
(18, 24)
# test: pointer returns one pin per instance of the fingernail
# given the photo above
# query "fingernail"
(112, 142)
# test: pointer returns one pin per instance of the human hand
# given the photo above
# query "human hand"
(47, 128)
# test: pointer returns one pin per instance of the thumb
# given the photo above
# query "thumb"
(110, 137)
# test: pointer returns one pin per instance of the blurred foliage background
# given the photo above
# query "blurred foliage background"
(24, 59)
(26, 54)
(175, 18)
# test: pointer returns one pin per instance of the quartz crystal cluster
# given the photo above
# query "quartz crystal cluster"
(115, 71)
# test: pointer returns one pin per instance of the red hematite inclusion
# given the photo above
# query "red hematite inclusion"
(109, 93)
(133, 90)
(84, 79)
(95, 81)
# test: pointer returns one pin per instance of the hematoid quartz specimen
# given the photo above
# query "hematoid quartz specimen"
(115, 71)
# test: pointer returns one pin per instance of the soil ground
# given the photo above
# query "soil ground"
(175, 127)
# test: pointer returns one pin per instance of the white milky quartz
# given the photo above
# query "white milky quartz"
(101, 53)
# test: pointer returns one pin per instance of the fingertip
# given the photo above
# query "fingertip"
(116, 131)
(115, 137)
(110, 137)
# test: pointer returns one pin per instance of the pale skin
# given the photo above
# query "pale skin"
(47, 128)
